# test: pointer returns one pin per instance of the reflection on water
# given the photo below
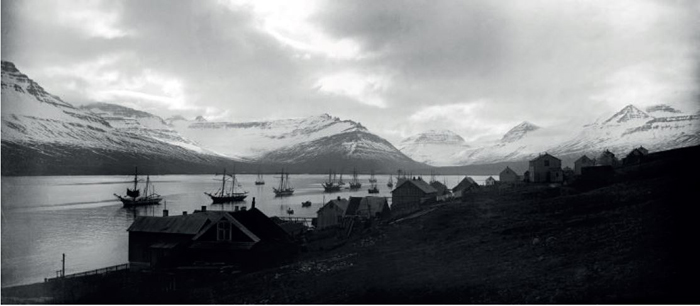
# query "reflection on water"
(45, 216)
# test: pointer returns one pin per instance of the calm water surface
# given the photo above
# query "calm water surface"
(43, 217)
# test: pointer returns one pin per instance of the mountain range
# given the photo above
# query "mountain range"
(42, 134)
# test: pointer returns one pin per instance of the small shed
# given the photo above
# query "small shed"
(508, 176)
(546, 169)
(466, 185)
(582, 162)
(331, 214)
(607, 158)
(373, 207)
(440, 187)
(409, 194)
(490, 181)
(636, 156)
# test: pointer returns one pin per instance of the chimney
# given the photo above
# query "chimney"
(253, 205)
(184, 213)
(338, 198)
(204, 208)
(165, 212)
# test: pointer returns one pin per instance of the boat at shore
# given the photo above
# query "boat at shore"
(133, 196)
(285, 188)
(225, 196)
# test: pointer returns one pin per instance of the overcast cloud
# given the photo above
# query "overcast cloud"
(398, 67)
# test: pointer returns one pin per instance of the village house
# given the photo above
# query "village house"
(466, 185)
(369, 208)
(443, 193)
(568, 174)
(607, 158)
(546, 169)
(409, 194)
(582, 162)
(526, 176)
(508, 176)
(245, 239)
(331, 214)
(490, 181)
(636, 156)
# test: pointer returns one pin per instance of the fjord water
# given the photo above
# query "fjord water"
(45, 216)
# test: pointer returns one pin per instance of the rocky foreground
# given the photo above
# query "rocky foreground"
(629, 242)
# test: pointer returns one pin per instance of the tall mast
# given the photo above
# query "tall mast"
(145, 190)
(136, 171)
(223, 183)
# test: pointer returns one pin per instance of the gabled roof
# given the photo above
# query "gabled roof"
(466, 182)
(421, 184)
(373, 204)
(184, 224)
(216, 216)
(490, 178)
(440, 187)
(340, 203)
(508, 170)
(583, 158)
(353, 206)
(543, 156)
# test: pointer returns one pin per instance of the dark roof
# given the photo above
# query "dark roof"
(421, 184)
(340, 203)
(507, 170)
(583, 158)
(262, 226)
(183, 224)
(543, 156)
(353, 205)
(466, 182)
(490, 178)
(373, 204)
(440, 187)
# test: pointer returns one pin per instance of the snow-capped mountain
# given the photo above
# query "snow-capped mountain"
(518, 132)
(312, 142)
(142, 123)
(43, 134)
(662, 128)
(434, 147)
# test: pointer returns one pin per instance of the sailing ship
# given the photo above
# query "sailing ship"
(133, 196)
(259, 180)
(355, 183)
(340, 181)
(372, 179)
(331, 185)
(390, 184)
(284, 189)
(373, 188)
(225, 196)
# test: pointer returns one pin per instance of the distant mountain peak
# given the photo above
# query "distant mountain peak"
(116, 109)
(519, 131)
(200, 119)
(629, 112)
(175, 118)
(435, 137)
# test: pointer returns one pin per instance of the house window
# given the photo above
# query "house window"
(546, 163)
(223, 230)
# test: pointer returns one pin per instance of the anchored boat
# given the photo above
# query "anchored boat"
(225, 196)
(285, 188)
(133, 196)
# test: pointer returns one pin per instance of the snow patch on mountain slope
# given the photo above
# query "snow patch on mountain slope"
(434, 147)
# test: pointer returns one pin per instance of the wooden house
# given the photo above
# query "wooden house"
(440, 187)
(331, 214)
(372, 207)
(636, 156)
(568, 174)
(466, 185)
(410, 194)
(607, 158)
(490, 181)
(508, 176)
(245, 239)
(546, 169)
(526, 176)
(582, 162)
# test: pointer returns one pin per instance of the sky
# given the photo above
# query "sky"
(474, 67)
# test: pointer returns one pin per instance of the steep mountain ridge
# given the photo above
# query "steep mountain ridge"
(434, 147)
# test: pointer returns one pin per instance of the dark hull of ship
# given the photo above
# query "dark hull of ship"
(259, 183)
(375, 190)
(227, 198)
(355, 186)
(129, 202)
(283, 193)
(332, 188)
